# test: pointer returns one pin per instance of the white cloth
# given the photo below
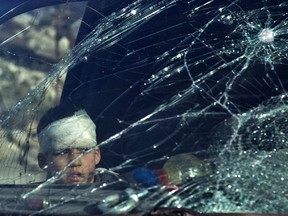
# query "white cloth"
(77, 131)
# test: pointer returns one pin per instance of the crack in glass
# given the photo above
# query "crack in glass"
(159, 78)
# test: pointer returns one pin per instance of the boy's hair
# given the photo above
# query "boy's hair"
(65, 127)
(55, 113)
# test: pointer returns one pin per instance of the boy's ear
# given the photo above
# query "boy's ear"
(98, 156)
(41, 160)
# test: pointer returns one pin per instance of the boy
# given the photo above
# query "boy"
(68, 147)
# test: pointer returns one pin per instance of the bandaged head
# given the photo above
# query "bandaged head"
(76, 131)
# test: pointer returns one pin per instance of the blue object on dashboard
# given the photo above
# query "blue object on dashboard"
(145, 176)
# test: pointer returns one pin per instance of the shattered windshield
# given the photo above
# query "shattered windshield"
(188, 100)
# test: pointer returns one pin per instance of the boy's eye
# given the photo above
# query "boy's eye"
(84, 150)
(71, 151)
(65, 151)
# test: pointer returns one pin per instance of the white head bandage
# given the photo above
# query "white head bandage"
(77, 131)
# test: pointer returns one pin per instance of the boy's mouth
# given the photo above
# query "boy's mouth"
(75, 177)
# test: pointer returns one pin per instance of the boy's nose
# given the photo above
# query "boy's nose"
(76, 163)
(75, 157)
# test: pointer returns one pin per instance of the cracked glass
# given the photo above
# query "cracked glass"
(188, 98)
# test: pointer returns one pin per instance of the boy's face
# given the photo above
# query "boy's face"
(79, 171)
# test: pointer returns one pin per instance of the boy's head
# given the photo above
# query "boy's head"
(68, 143)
